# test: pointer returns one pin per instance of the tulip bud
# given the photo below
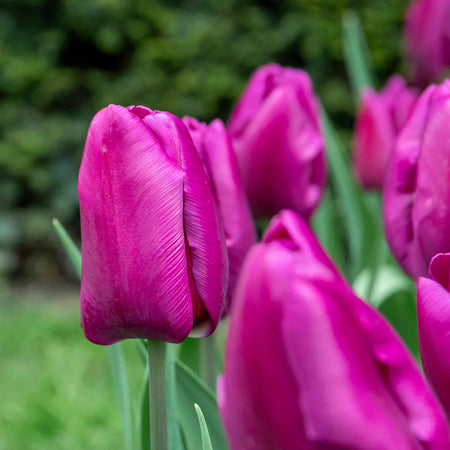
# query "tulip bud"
(216, 152)
(417, 190)
(311, 366)
(433, 313)
(277, 137)
(380, 118)
(153, 249)
(427, 39)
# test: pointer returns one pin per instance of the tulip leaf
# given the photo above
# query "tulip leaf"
(69, 246)
(190, 390)
(206, 440)
(117, 363)
(350, 199)
(115, 354)
(330, 236)
(356, 54)
(189, 354)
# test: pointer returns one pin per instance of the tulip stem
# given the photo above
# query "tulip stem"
(157, 390)
(209, 361)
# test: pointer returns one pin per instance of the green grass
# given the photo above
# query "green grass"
(56, 388)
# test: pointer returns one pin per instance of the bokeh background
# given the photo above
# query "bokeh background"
(61, 61)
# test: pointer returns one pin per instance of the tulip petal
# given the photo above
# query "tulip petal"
(203, 227)
(256, 400)
(220, 163)
(281, 157)
(399, 190)
(134, 277)
(342, 393)
(433, 312)
(426, 38)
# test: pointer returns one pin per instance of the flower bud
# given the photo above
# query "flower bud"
(276, 133)
(311, 366)
(417, 189)
(427, 39)
(380, 118)
(154, 261)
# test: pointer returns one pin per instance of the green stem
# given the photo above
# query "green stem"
(157, 389)
(209, 361)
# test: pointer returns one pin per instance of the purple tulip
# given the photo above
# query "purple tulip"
(153, 247)
(380, 118)
(277, 137)
(433, 312)
(311, 366)
(219, 161)
(427, 39)
(417, 186)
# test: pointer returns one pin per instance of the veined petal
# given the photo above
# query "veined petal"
(203, 227)
(134, 277)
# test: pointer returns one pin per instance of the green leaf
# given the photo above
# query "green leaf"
(115, 354)
(356, 54)
(330, 236)
(69, 246)
(189, 354)
(349, 197)
(206, 440)
(119, 373)
(190, 390)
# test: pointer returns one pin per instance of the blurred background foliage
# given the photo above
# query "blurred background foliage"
(62, 60)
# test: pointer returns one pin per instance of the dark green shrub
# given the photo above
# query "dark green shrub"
(63, 60)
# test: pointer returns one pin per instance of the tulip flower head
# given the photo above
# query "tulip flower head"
(216, 152)
(433, 313)
(427, 39)
(311, 366)
(154, 262)
(417, 187)
(276, 133)
(380, 118)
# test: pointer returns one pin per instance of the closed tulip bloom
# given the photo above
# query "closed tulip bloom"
(311, 366)
(380, 118)
(216, 151)
(417, 186)
(153, 248)
(433, 312)
(276, 133)
(427, 39)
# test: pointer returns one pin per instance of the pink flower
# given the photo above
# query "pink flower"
(417, 187)
(311, 366)
(380, 118)
(277, 137)
(153, 246)
(427, 39)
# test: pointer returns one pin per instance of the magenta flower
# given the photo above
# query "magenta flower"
(219, 161)
(311, 366)
(153, 247)
(380, 118)
(433, 312)
(427, 39)
(417, 186)
(277, 137)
